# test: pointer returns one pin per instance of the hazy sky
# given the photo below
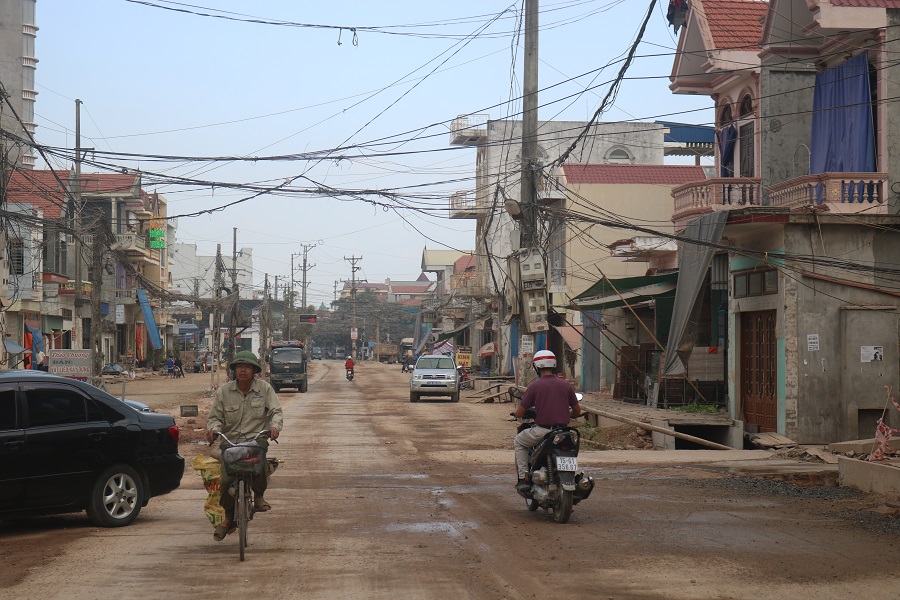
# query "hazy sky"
(160, 82)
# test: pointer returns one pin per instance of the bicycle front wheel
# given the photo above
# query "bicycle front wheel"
(242, 514)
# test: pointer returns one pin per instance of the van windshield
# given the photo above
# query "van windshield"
(287, 355)
(435, 363)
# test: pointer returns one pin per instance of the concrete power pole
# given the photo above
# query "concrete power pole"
(306, 249)
(97, 245)
(264, 322)
(79, 247)
(217, 319)
(530, 168)
(236, 306)
(353, 269)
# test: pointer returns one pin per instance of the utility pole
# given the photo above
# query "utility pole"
(290, 309)
(336, 282)
(97, 243)
(530, 168)
(79, 247)
(353, 269)
(306, 248)
(217, 319)
(236, 305)
(264, 322)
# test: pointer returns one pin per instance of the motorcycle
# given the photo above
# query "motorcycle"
(465, 383)
(407, 367)
(349, 375)
(557, 484)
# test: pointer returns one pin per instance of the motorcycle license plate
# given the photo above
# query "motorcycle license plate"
(566, 463)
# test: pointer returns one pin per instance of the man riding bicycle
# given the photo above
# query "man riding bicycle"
(243, 407)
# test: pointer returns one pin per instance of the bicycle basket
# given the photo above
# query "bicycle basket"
(244, 458)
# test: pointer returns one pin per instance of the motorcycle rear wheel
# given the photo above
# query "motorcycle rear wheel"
(563, 509)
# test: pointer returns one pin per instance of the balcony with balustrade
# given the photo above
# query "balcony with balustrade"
(711, 195)
(853, 193)
(466, 205)
(469, 130)
(469, 285)
(845, 193)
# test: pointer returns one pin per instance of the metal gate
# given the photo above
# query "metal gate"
(758, 370)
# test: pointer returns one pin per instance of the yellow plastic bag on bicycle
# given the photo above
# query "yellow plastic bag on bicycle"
(210, 470)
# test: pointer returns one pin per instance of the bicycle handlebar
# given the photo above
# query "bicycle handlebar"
(265, 433)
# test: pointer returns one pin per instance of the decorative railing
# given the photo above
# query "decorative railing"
(840, 192)
(466, 204)
(131, 241)
(470, 123)
(469, 285)
(709, 195)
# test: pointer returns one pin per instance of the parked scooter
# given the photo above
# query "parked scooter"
(557, 484)
(465, 382)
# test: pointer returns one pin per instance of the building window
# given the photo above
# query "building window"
(17, 257)
(618, 156)
(756, 283)
(746, 106)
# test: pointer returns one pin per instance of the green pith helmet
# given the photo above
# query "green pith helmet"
(245, 357)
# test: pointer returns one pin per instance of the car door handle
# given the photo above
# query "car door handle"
(97, 435)
(13, 445)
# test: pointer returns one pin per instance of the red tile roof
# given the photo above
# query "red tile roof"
(463, 263)
(38, 188)
(634, 174)
(734, 24)
(42, 188)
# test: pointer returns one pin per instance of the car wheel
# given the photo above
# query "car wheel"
(276, 388)
(454, 397)
(116, 497)
(304, 385)
(413, 397)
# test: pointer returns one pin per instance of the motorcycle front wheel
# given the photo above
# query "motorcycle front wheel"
(531, 504)
(562, 510)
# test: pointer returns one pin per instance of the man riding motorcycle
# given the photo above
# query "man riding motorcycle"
(554, 402)
(349, 364)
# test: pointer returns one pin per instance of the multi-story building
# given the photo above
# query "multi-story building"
(41, 294)
(497, 234)
(17, 66)
(795, 241)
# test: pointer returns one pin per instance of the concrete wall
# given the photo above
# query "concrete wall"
(587, 252)
(889, 157)
(499, 163)
(833, 383)
(13, 73)
(787, 95)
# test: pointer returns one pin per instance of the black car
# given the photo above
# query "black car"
(66, 446)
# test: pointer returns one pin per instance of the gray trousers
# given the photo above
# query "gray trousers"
(226, 500)
(524, 442)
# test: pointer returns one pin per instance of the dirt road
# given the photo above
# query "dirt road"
(383, 498)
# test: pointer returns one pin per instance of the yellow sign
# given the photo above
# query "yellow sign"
(464, 359)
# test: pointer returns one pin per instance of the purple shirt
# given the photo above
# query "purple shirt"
(551, 398)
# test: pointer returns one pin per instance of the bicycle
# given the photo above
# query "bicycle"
(244, 461)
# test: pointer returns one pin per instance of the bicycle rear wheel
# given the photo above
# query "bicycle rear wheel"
(242, 514)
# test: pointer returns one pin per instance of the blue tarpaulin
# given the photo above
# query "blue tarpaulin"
(152, 329)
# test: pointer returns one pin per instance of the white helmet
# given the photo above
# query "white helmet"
(544, 359)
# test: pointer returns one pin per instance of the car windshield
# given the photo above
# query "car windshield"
(287, 355)
(435, 363)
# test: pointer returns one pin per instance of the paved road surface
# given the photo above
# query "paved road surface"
(380, 498)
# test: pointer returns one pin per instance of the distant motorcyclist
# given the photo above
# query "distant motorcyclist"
(349, 364)
(554, 402)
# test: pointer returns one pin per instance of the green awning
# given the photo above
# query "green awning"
(627, 290)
